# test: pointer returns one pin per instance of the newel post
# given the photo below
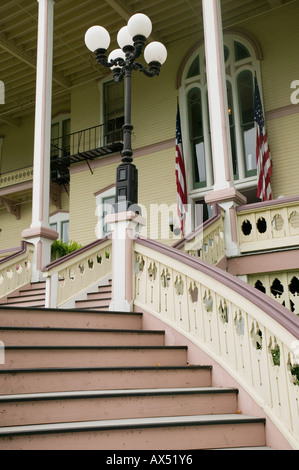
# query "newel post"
(124, 227)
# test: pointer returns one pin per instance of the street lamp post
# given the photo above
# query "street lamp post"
(131, 40)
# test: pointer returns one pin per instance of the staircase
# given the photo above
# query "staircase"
(86, 379)
(34, 295)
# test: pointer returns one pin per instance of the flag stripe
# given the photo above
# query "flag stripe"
(180, 176)
(263, 155)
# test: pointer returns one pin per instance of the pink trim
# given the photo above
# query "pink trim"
(19, 251)
(271, 307)
(40, 232)
(282, 112)
(141, 152)
(104, 189)
(225, 195)
(39, 256)
(16, 188)
(264, 263)
(59, 211)
(233, 224)
(274, 202)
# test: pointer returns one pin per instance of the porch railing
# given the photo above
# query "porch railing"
(254, 338)
(75, 273)
(16, 269)
(21, 175)
(207, 242)
(268, 226)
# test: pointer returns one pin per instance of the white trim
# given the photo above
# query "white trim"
(99, 210)
(58, 218)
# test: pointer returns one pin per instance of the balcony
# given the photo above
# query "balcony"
(84, 145)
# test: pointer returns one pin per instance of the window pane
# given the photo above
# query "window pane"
(65, 231)
(114, 110)
(246, 102)
(194, 69)
(107, 209)
(232, 127)
(241, 52)
(196, 134)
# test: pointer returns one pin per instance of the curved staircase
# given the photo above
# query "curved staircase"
(86, 379)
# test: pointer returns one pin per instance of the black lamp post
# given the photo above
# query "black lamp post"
(122, 62)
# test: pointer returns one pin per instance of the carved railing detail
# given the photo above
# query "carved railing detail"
(76, 272)
(207, 242)
(270, 225)
(16, 269)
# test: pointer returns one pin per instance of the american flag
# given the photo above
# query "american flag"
(180, 176)
(263, 155)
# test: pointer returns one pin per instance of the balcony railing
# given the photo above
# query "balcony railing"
(268, 226)
(84, 145)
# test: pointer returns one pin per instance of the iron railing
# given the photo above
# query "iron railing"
(84, 145)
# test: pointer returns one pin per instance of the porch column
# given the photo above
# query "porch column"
(39, 232)
(224, 192)
(124, 226)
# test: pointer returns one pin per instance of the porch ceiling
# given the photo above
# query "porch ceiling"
(73, 63)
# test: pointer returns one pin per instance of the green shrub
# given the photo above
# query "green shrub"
(60, 249)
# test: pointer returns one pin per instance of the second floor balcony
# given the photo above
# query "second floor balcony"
(84, 145)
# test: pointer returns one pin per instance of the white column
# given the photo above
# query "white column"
(39, 232)
(124, 227)
(224, 192)
(218, 105)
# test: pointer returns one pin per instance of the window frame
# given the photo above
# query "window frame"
(101, 196)
(57, 220)
(244, 179)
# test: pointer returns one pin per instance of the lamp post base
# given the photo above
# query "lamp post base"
(126, 188)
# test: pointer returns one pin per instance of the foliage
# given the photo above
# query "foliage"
(293, 369)
(60, 249)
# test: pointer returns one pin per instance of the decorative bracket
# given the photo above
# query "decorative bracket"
(12, 207)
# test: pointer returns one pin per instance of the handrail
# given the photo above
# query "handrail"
(207, 241)
(236, 325)
(77, 272)
(16, 269)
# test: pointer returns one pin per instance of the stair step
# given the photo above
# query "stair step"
(25, 298)
(92, 356)
(93, 303)
(42, 408)
(104, 295)
(18, 302)
(72, 318)
(105, 378)
(159, 433)
(12, 336)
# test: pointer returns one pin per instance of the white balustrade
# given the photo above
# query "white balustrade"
(75, 273)
(270, 225)
(246, 332)
(15, 270)
(207, 242)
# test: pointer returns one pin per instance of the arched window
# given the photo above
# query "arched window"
(242, 62)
